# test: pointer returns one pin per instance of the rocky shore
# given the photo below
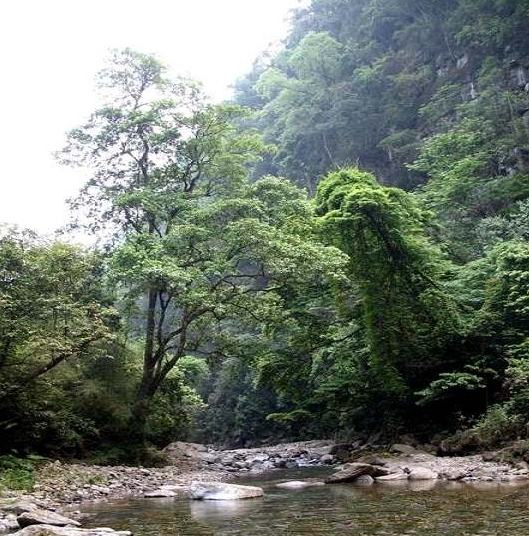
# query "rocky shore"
(60, 485)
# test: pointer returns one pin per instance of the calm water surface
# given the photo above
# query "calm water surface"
(413, 509)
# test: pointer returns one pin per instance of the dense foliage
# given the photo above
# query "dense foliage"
(382, 286)
(431, 97)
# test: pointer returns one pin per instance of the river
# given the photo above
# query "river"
(405, 509)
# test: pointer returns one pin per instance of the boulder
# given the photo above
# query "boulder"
(352, 471)
(8, 522)
(372, 459)
(401, 448)
(422, 473)
(364, 480)
(51, 530)
(218, 491)
(392, 477)
(342, 455)
(491, 456)
(180, 451)
(20, 507)
(38, 516)
(319, 451)
(522, 466)
(157, 493)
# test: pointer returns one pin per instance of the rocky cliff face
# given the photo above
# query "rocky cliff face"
(378, 78)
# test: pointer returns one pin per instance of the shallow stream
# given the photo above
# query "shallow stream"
(404, 509)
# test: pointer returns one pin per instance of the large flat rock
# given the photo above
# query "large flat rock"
(393, 477)
(351, 471)
(218, 491)
(423, 473)
(38, 516)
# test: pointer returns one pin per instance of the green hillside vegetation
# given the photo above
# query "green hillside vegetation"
(342, 251)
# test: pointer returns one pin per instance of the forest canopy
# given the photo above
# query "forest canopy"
(340, 250)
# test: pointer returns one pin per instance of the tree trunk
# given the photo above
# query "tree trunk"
(146, 388)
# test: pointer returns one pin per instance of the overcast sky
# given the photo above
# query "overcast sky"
(50, 51)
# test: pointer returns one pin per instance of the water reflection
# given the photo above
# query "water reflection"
(421, 485)
(220, 510)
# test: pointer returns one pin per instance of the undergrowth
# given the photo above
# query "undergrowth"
(18, 473)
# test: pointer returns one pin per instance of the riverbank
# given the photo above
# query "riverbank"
(61, 485)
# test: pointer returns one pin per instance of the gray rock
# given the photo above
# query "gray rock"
(207, 457)
(522, 466)
(403, 449)
(372, 459)
(422, 473)
(19, 507)
(159, 493)
(259, 458)
(342, 455)
(489, 456)
(364, 480)
(9, 522)
(304, 463)
(320, 451)
(180, 451)
(392, 477)
(44, 517)
(327, 459)
(51, 530)
(514, 478)
(218, 491)
(352, 471)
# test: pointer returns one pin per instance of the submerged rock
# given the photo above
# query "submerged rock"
(218, 491)
(298, 484)
(51, 530)
(364, 480)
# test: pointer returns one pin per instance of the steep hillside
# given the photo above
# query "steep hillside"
(367, 82)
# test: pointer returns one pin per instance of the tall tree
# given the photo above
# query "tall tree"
(199, 244)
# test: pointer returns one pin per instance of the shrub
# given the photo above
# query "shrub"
(17, 473)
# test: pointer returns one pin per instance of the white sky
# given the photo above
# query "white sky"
(50, 51)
